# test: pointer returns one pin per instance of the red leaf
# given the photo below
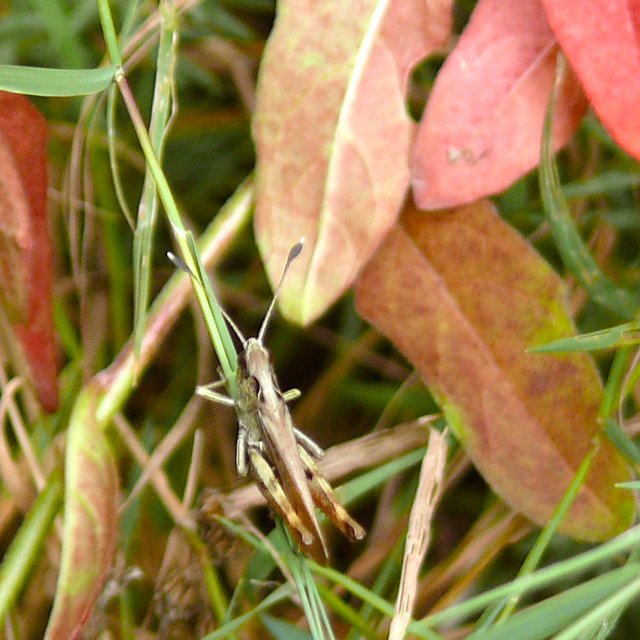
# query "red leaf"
(25, 245)
(482, 126)
(463, 296)
(15, 242)
(333, 136)
(90, 520)
(600, 38)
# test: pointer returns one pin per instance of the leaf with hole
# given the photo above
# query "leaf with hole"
(333, 136)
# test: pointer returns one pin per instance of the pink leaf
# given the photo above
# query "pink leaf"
(600, 38)
(333, 136)
(482, 126)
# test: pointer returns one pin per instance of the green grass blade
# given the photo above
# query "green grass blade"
(112, 137)
(248, 537)
(352, 617)
(574, 253)
(615, 381)
(544, 539)
(383, 583)
(208, 304)
(109, 32)
(608, 551)
(27, 543)
(602, 614)
(133, 9)
(280, 594)
(282, 630)
(260, 566)
(222, 341)
(161, 111)
(620, 336)
(633, 484)
(364, 483)
(310, 600)
(213, 318)
(215, 590)
(623, 443)
(41, 81)
(542, 620)
(541, 578)
(233, 216)
(603, 183)
(418, 629)
(298, 567)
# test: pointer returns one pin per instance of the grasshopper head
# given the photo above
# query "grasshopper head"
(254, 358)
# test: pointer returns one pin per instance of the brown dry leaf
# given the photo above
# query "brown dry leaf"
(333, 136)
(482, 126)
(462, 296)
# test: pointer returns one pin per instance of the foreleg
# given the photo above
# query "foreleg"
(206, 391)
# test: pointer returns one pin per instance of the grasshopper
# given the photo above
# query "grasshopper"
(281, 459)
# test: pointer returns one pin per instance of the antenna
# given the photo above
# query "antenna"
(182, 265)
(234, 326)
(294, 252)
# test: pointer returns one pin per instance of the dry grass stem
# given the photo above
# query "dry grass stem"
(159, 480)
(419, 531)
(498, 527)
(176, 435)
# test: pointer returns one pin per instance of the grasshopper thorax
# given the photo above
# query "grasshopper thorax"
(254, 363)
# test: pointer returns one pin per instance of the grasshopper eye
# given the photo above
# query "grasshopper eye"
(255, 385)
